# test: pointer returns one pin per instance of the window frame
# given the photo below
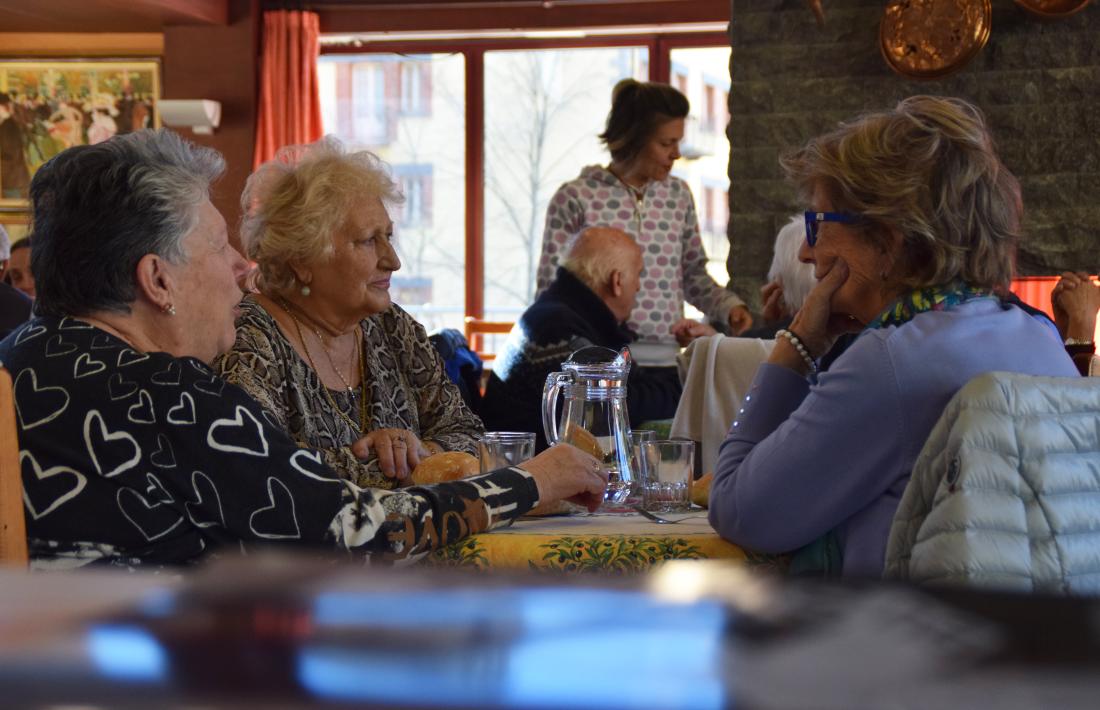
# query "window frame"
(659, 46)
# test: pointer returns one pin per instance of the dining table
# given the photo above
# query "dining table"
(615, 540)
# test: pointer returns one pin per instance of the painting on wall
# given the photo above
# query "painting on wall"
(48, 106)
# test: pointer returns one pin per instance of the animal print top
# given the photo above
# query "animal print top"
(406, 385)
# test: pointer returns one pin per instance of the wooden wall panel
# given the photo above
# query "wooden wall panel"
(220, 63)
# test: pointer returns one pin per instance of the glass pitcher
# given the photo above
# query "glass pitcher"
(594, 416)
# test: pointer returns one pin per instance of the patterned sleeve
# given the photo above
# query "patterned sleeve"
(259, 485)
(700, 290)
(251, 365)
(443, 415)
(564, 219)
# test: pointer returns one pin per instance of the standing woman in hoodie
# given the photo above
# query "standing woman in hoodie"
(636, 193)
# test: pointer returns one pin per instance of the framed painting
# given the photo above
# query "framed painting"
(47, 106)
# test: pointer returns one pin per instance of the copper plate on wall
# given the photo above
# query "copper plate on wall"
(1053, 8)
(926, 39)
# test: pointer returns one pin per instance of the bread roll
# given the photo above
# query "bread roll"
(700, 490)
(448, 466)
(583, 440)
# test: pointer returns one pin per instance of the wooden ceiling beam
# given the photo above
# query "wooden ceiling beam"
(437, 15)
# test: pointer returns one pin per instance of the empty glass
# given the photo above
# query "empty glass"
(638, 437)
(670, 466)
(501, 449)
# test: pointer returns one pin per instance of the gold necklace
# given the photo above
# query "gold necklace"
(362, 423)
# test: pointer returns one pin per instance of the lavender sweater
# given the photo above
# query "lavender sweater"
(668, 232)
(804, 459)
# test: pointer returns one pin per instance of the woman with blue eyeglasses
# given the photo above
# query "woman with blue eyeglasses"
(913, 225)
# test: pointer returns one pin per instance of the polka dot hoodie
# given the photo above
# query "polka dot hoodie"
(664, 225)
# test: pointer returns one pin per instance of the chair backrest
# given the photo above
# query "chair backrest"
(1006, 491)
(13, 525)
(476, 329)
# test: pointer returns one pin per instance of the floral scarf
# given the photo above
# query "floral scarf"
(932, 298)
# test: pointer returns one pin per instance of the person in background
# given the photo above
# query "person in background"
(15, 307)
(824, 458)
(14, 175)
(134, 452)
(789, 282)
(587, 303)
(636, 193)
(322, 346)
(19, 272)
(1076, 300)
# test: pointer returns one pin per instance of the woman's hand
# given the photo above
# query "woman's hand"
(398, 450)
(687, 330)
(1076, 299)
(566, 472)
(815, 324)
(740, 320)
(775, 308)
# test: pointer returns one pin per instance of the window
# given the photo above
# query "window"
(420, 138)
(710, 92)
(415, 88)
(708, 209)
(543, 112)
(415, 183)
(481, 133)
(680, 81)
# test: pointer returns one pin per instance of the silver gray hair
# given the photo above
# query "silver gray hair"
(796, 277)
(109, 205)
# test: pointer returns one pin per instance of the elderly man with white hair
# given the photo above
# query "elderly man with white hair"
(588, 303)
(15, 307)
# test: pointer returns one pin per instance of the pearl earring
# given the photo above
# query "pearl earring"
(169, 310)
(305, 290)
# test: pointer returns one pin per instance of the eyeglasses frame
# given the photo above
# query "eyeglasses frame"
(814, 219)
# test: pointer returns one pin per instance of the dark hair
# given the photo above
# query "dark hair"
(99, 209)
(24, 243)
(637, 110)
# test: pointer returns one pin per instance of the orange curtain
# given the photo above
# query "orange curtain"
(290, 103)
(1035, 291)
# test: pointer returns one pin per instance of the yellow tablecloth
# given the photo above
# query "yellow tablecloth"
(602, 542)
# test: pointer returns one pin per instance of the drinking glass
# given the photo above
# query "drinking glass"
(669, 469)
(639, 437)
(501, 449)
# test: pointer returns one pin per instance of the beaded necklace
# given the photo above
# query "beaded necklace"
(359, 426)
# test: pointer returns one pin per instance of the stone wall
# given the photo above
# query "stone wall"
(1037, 81)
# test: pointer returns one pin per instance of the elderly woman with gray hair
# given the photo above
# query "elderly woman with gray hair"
(322, 346)
(133, 451)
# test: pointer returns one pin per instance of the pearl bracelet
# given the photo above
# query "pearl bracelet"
(796, 341)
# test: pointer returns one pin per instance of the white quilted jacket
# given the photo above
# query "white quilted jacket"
(1006, 492)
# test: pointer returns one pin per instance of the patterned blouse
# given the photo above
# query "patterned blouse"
(406, 384)
(144, 459)
(664, 224)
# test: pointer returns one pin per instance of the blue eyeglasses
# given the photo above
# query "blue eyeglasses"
(813, 219)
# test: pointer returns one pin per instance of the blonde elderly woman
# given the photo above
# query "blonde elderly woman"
(322, 346)
(911, 230)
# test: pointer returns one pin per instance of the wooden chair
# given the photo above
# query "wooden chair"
(13, 526)
(476, 329)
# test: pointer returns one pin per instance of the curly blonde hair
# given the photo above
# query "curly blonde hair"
(294, 204)
(928, 170)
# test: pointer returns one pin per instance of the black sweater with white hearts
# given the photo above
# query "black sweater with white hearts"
(145, 459)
